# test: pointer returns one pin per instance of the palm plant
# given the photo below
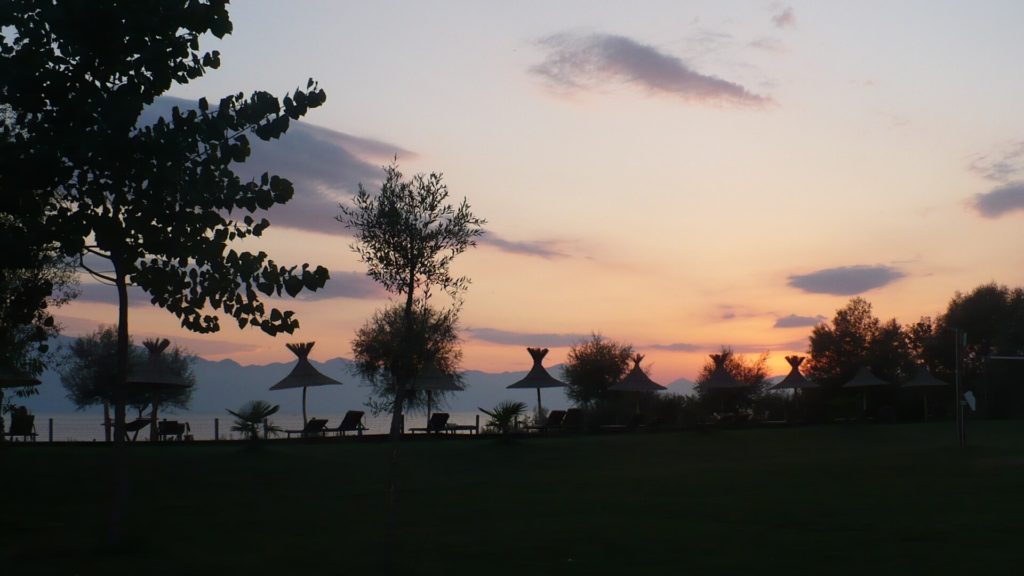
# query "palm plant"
(251, 416)
(504, 415)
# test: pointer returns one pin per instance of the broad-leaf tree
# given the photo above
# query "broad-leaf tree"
(592, 366)
(160, 203)
(408, 235)
(32, 283)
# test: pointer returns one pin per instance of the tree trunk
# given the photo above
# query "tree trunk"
(402, 377)
(119, 468)
(121, 376)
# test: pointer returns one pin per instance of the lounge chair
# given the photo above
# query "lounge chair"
(352, 422)
(23, 424)
(314, 427)
(438, 423)
(172, 429)
(573, 420)
(456, 428)
(554, 422)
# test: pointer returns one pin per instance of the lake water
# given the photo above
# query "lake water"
(88, 427)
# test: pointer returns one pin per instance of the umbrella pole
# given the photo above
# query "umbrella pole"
(303, 407)
(540, 409)
(428, 404)
(152, 422)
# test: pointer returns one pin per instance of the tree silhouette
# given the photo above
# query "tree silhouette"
(381, 350)
(592, 366)
(156, 202)
(408, 235)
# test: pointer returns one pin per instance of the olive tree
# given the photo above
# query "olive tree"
(408, 234)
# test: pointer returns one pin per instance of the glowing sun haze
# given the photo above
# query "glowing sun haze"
(674, 175)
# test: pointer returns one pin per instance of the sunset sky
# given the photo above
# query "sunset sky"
(675, 175)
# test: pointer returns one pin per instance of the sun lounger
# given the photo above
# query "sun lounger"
(172, 429)
(352, 422)
(437, 424)
(314, 427)
(456, 428)
(573, 421)
(22, 425)
(553, 423)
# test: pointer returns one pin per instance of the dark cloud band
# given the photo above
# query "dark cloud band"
(579, 62)
(846, 280)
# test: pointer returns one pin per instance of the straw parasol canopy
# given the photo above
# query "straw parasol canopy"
(924, 378)
(303, 375)
(155, 377)
(538, 377)
(865, 379)
(637, 380)
(720, 377)
(431, 379)
(794, 380)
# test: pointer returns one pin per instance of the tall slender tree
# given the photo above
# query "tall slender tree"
(408, 234)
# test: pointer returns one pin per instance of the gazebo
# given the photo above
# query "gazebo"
(537, 377)
(303, 375)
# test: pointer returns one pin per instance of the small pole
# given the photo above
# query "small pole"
(266, 426)
(51, 429)
(216, 429)
(478, 424)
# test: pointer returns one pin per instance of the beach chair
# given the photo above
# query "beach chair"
(352, 422)
(456, 428)
(314, 427)
(573, 421)
(171, 429)
(554, 422)
(23, 425)
(438, 423)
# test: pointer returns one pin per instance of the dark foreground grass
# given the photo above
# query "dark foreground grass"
(832, 500)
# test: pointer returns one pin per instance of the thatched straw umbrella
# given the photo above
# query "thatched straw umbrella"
(637, 381)
(431, 379)
(154, 378)
(923, 378)
(303, 375)
(720, 378)
(865, 379)
(538, 377)
(794, 380)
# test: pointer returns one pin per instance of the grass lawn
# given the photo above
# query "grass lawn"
(843, 499)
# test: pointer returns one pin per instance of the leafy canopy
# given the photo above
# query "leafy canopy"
(592, 366)
(383, 350)
(89, 372)
(158, 201)
(408, 234)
